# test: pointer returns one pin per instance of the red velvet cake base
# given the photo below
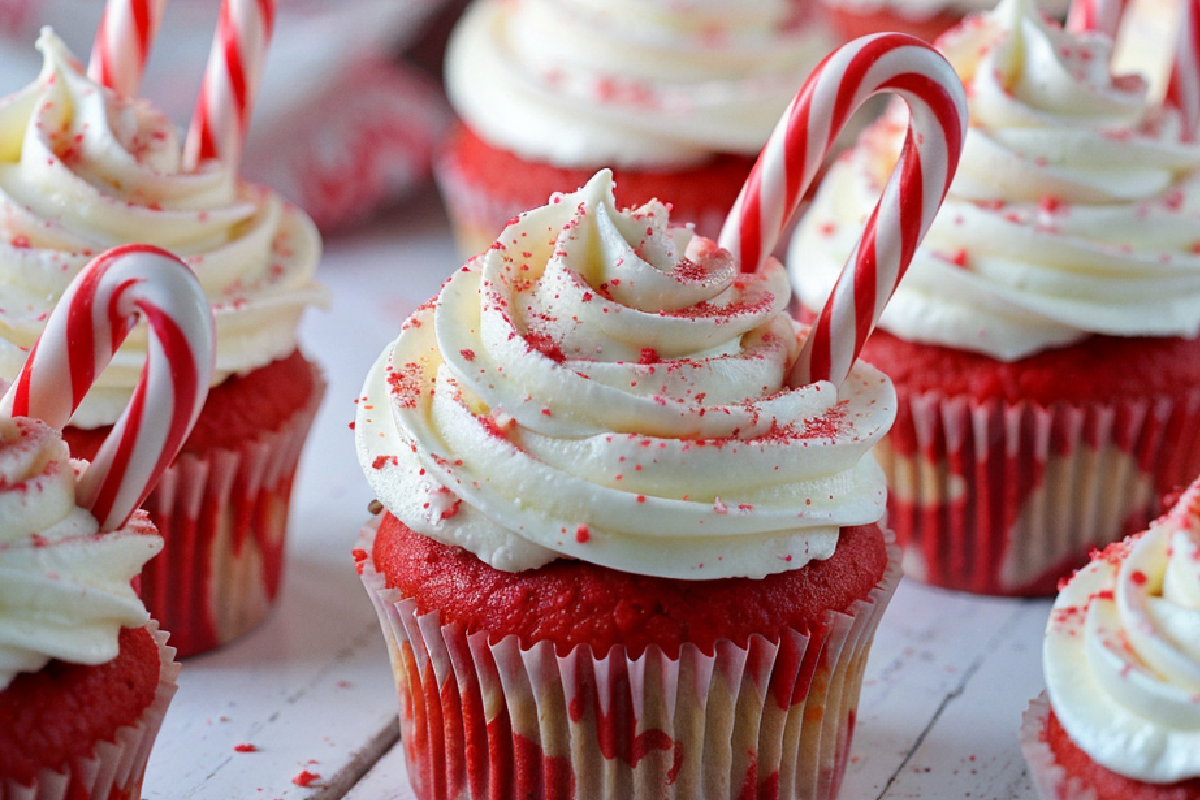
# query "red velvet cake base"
(531, 706)
(1004, 476)
(53, 716)
(574, 602)
(222, 508)
(485, 187)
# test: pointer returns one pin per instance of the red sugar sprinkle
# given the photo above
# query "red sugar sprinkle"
(1050, 204)
(245, 747)
(1138, 577)
(305, 778)
(647, 355)
(582, 534)
(467, 353)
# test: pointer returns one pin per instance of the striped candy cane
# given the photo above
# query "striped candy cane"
(123, 42)
(231, 79)
(1100, 16)
(1183, 86)
(887, 62)
(96, 312)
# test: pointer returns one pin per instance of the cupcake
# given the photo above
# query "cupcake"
(85, 169)
(614, 548)
(677, 97)
(85, 674)
(1120, 718)
(1043, 342)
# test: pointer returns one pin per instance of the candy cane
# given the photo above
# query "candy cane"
(123, 42)
(97, 311)
(1101, 16)
(887, 62)
(231, 78)
(1183, 86)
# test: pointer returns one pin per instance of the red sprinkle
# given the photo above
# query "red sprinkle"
(306, 778)
(648, 355)
(245, 747)
(582, 534)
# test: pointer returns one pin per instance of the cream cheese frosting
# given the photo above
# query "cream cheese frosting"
(82, 170)
(631, 82)
(64, 587)
(1072, 212)
(1122, 652)
(604, 386)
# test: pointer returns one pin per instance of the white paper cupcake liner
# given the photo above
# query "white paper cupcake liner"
(223, 518)
(1049, 779)
(1006, 499)
(114, 769)
(493, 720)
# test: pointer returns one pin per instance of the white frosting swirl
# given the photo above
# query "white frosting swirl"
(631, 82)
(82, 170)
(1122, 652)
(1072, 213)
(64, 588)
(603, 386)
(924, 9)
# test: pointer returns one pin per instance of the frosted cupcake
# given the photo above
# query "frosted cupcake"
(81, 170)
(1043, 340)
(616, 550)
(85, 674)
(1120, 719)
(677, 97)
(927, 19)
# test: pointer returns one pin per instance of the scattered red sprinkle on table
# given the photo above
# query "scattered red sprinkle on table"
(306, 778)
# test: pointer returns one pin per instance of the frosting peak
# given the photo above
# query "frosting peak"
(64, 588)
(602, 385)
(1072, 212)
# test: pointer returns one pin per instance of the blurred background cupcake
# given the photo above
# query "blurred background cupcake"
(676, 97)
(927, 19)
(1120, 719)
(85, 169)
(1043, 341)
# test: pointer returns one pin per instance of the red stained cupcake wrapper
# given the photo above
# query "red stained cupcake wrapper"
(1049, 779)
(1005, 499)
(493, 720)
(224, 520)
(478, 216)
(114, 769)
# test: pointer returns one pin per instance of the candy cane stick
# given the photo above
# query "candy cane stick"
(1101, 16)
(123, 41)
(231, 79)
(888, 62)
(1183, 86)
(96, 312)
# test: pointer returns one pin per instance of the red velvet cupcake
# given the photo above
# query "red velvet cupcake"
(223, 508)
(1043, 341)
(1118, 719)
(617, 549)
(677, 100)
(85, 676)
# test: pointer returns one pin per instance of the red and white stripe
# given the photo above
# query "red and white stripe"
(887, 62)
(1183, 86)
(99, 308)
(231, 80)
(1099, 16)
(123, 42)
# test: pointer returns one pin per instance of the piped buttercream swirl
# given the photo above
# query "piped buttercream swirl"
(603, 386)
(1122, 652)
(633, 82)
(82, 170)
(1073, 211)
(65, 589)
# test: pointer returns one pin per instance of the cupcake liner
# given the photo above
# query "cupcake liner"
(1007, 498)
(114, 770)
(1049, 779)
(223, 517)
(483, 719)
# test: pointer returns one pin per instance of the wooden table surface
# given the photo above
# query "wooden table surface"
(304, 707)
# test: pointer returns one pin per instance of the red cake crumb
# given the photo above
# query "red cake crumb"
(60, 712)
(574, 602)
(240, 408)
(1098, 369)
(1108, 784)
